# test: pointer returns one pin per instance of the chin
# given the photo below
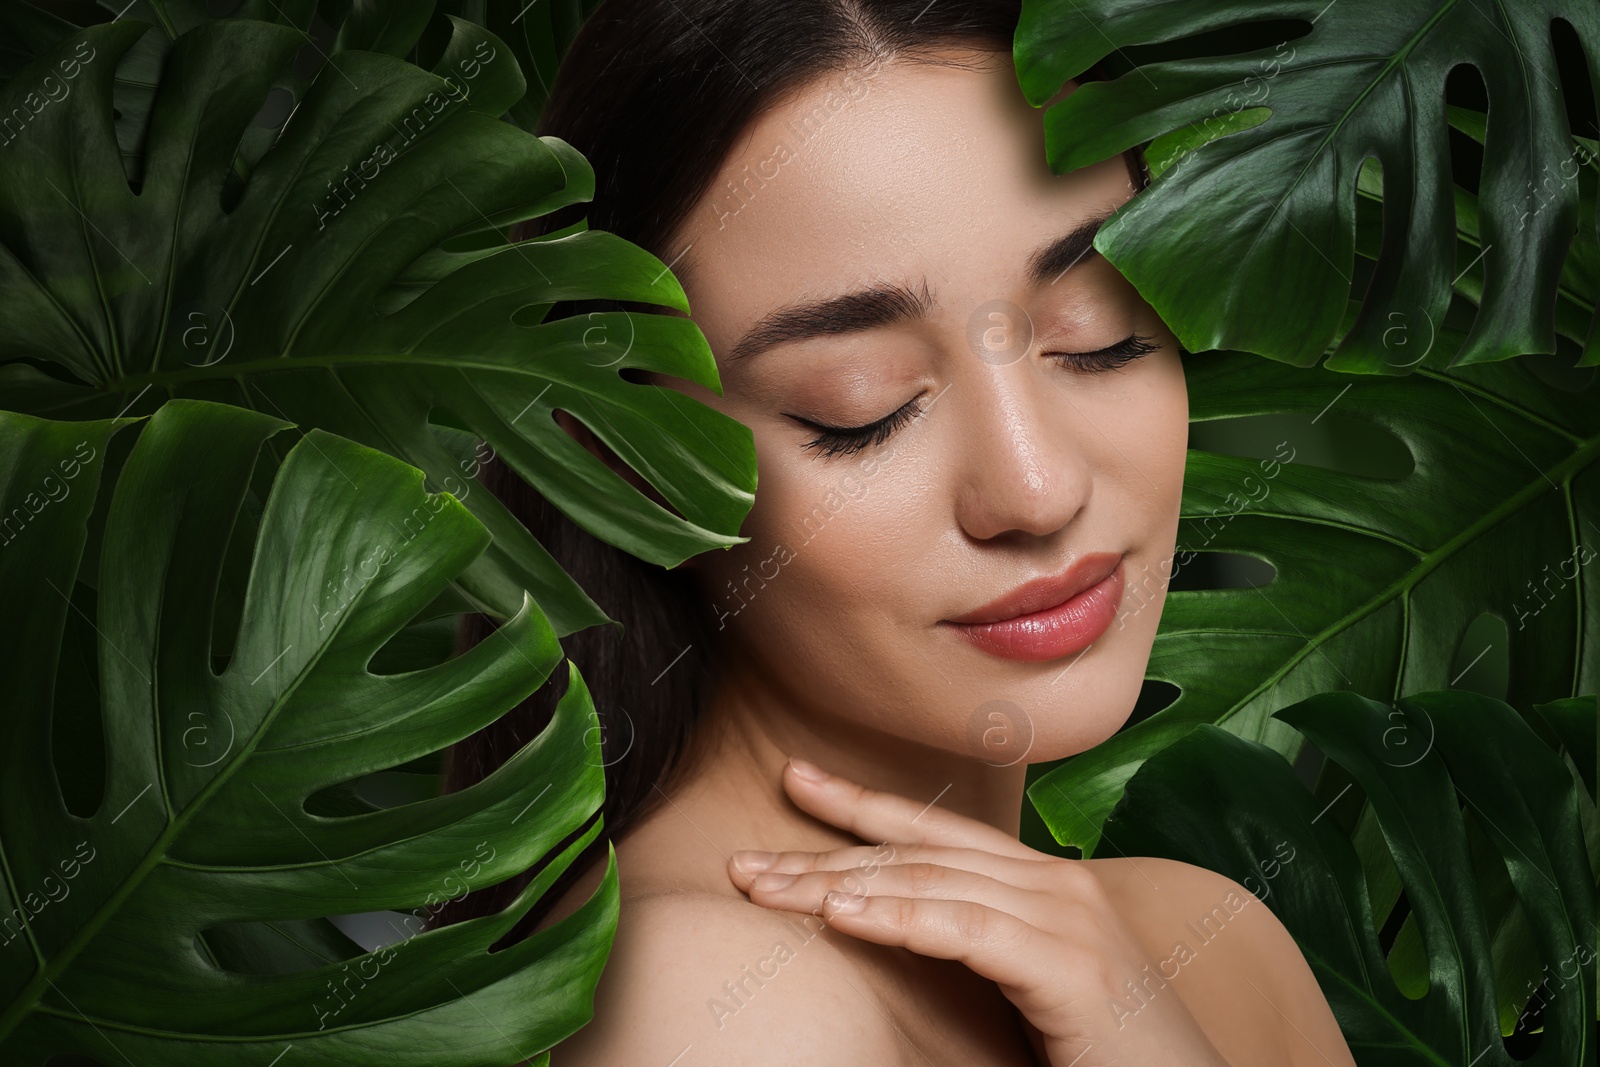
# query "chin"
(1059, 744)
(1083, 717)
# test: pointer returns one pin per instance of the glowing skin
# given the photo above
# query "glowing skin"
(832, 647)
(1019, 467)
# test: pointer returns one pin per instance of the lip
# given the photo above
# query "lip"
(1047, 592)
(1048, 617)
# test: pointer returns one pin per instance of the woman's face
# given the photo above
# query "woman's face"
(917, 199)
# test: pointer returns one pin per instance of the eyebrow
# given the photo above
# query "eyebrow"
(887, 303)
(1057, 257)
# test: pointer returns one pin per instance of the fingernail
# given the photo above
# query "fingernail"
(843, 903)
(750, 862)
(773, 880)
(809, 771)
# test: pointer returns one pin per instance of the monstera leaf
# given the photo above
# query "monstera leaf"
(443, 43)
(538, 35)
(1478, 785)
(168, 909)
(1375, 581)
(355, 278)
(1579, 284)
(1279, 136)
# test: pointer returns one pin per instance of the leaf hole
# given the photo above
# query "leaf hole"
(1391, 925)
(416, 647)
(590, 440)
(277, 948)
(1274, 38)
(1559, 370)
(1482, 660)
(77, 741)
(1464, 87)
(275, 109)
(1329, 439)
(1222, 570)
(1528, 1033)
(1577, 89)
(1155, 696)
(1308, 765)
(530, 315)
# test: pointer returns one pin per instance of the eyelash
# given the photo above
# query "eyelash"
(835, 440)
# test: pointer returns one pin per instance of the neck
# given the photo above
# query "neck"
(751, 729)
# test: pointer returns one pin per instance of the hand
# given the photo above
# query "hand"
(944, 885)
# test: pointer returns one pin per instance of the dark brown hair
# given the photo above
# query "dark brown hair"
(654, 94)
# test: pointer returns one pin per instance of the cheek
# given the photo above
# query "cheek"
(1154, 436)
(835, 513)
(826, 584)
(1153, 430)
(1175, 441)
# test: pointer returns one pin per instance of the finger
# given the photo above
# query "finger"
(807, 892)
(745, 864)
(874, 815)
(989, 941)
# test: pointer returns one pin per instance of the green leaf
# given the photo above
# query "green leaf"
(1517, 968)
(1375, 581)
(174, 18)
(1579, 285)
(1575, 722)
(469, 61)
(139, 70)
(25, 33)
(538, 35)
(358, 280)
(1577, 288)
(1275, 202)
(178, 918)
(388, 26)
(1236, 807)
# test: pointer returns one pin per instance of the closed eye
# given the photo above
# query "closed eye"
(1120, 354)
(834, 440)
(844, 440)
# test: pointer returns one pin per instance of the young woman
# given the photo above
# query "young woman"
(970, 433)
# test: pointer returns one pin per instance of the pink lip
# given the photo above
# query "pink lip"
(1049, 617)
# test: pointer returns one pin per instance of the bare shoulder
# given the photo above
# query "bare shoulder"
(1238, 970)
(696, 978)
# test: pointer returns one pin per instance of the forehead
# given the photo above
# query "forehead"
(899, 173)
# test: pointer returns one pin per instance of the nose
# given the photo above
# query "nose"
(1025, 464)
